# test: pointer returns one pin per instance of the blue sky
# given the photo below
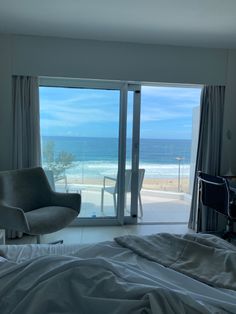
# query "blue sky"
(166, 112)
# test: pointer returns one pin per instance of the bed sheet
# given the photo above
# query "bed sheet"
(138, 283)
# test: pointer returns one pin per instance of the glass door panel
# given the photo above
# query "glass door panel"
(80, 140)
(168, 142)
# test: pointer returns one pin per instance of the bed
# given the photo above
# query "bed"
(159, 273)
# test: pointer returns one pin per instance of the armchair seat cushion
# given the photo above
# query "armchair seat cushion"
(49, 219)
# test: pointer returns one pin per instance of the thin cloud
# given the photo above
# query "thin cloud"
(171, 92)
(63, 111)
(160, 114)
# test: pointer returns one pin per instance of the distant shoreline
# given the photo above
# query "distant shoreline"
(161, 184)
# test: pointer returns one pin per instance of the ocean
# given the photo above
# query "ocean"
(97, 157)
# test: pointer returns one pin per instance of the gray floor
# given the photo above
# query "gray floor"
(84, 235)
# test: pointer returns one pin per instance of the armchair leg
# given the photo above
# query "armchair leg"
(54, 242)
(57, 242)
(38, 238)
(2, 236)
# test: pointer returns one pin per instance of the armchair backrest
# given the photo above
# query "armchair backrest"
(25, 188)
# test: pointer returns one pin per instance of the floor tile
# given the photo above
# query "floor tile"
(102, 233)
(157, 228)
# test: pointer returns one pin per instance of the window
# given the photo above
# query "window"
(93, 131)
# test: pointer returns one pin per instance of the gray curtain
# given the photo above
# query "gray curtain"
(26, 133)
(208, 154)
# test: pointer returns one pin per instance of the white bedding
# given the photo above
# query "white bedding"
(105, 278)
(210, 260)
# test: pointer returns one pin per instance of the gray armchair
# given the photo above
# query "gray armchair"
(28, 203)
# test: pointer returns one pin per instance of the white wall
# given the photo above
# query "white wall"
(117, 61)
(43, 56)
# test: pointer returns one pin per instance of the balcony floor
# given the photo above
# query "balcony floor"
(158, 207)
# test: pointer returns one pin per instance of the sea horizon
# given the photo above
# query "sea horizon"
(95, 157)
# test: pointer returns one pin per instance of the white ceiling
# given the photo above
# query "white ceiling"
(206, 23)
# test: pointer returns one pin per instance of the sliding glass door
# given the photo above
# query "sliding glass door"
(83, 133)
(91, 145)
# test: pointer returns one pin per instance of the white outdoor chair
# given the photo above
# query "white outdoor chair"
(113, 189)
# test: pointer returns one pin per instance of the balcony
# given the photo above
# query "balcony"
(159, 206)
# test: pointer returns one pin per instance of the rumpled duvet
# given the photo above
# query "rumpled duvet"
(71, 284)
(208, 259)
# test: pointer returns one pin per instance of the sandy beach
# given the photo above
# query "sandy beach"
(165, 184)
(161, 184)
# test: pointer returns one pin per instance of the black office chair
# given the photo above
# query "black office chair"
(215, 193)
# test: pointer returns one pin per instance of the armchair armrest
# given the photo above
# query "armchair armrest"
(72, 200)
(13, 218)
